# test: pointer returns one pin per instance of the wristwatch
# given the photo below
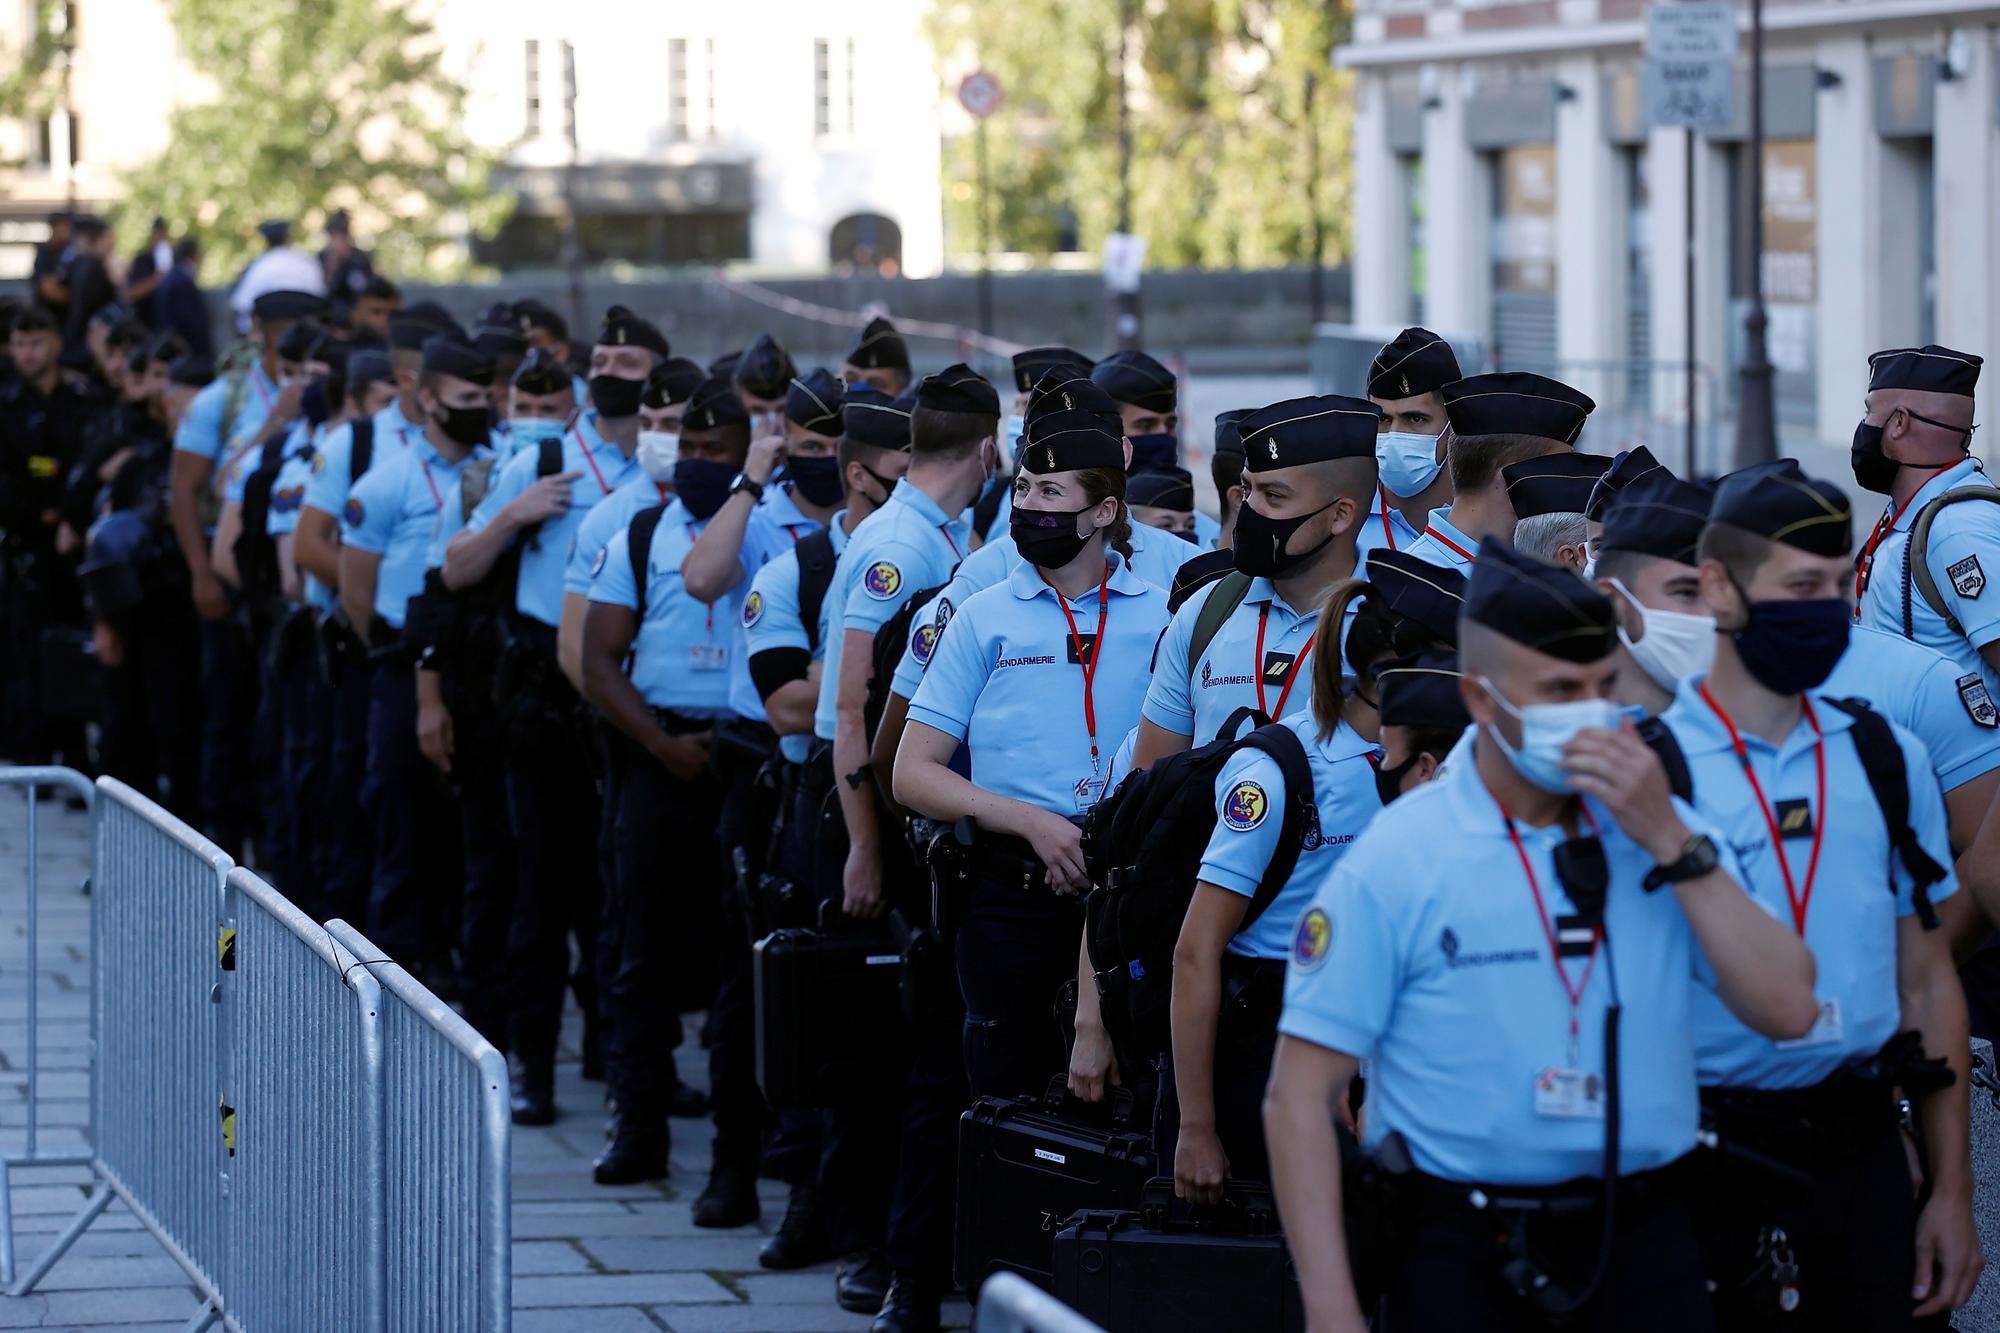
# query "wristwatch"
(1696, 859)
(754, 489)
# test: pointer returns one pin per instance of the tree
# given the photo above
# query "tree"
(318, 105)
(31, 89)
(1218, 122)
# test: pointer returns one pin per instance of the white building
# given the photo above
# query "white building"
(793, 136)
(1507, 188)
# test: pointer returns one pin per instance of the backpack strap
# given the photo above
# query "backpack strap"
(1282, 744)
(1882, 760)
(1661, 740)
(1230, 590)
(816, 561)
(1916, 557)
(362, 453)
(640, 537)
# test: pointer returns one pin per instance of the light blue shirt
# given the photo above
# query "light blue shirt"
(395, 512)
(602, 523)
(1196, 698)
(1858, 893)
(1953, 714)
(773, 620)
(680, 656)
(1157, 556)
(602, 469)
(288, 491)
(1385, 526)
(327, 491)
(910, 543)
(1431, 545)
(1426, 955)
(775, 526)
(1963, 537)
(1006, 682)
(1250, 797)
(1207, 531)
(200, 431)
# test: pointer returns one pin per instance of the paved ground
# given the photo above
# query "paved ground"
(585, 1258)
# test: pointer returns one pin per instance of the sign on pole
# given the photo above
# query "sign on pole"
(979, 94)
(1689, 80)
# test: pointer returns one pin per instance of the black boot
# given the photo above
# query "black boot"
(860, 1283)
(687, 1102)
(638, 1149)
(730, 1198)
(534, 1093)
(801, 1239)
(910, 1307)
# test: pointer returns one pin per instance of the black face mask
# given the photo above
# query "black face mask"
(615, 396)
(1047, 538)
(466, 425)
(1389, 781)
(702, 485)
(1874, 470)
(1260, 541)
(1151, 453)
(817, 479)
(1790, 647)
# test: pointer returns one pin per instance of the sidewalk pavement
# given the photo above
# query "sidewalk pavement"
(586, 1259)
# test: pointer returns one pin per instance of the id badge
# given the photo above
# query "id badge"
(1569, 1094)
(707, 657)
(1089, 790)
(1826, 1030)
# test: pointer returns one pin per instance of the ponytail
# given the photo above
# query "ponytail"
(1100, 484)
(1329, 697)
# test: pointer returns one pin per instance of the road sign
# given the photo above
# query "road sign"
(979, 94)
(1689, 94)
(1690, 30)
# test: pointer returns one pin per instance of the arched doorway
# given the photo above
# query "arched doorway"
(869, 243)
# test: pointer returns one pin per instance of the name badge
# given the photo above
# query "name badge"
(708, 657)
(1826, 1030)
(1569, 1094)
(1089, 790)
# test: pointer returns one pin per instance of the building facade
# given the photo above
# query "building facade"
(1508, 189)
(792, 136)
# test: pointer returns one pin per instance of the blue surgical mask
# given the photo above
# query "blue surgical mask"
(1010, 433)
(529, 432)
(1407, 463)
(1545, 730)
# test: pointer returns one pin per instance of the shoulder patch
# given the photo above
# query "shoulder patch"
(1312, 941)
(1967, 577)
(923, 643)
(318, 461)
(883, 580)
(753, 609)
(352, 513)
(1978, 701)
(597, 565)
(943, 614)
(1246, 807)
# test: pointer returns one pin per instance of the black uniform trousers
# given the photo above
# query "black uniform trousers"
(277, 833)
(1016, 947)
(1449, 1276)
(486, 904)
(553, 807)
(735, 1103)
(794, 1149)
(413, 883)
(228, 721)
(348, 833)
(1852, 1233)
(306, 720)
(152, 718)
(665, 858)
(1246, 1044)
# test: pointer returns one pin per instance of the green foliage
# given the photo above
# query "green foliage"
(319, 104)
(31, 85)
(1218, 96)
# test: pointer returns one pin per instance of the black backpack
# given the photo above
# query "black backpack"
(362, 453)
(890, 641)
(1143, 846)
(1882, 760)
(256, 551)
(816, 562)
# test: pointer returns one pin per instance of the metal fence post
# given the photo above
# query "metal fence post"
(1009, 1303)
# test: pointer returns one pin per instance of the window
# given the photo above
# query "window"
(822, 88)
(677, 88)
(533, 107)
(850, 85)
(708, 77)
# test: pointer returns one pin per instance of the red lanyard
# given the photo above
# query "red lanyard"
(1096, 647)
(1574, 993)
(263, 394)
(1388, 533)
(661, 487)
(1446, 541)
(1290, 676)
(1864, 565)
(436, 494)
(584, 445)
(1800, 900)
(957, 554)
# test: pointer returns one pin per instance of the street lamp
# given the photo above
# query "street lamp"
(1756, 425)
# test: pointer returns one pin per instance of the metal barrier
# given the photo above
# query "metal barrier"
(302, 1091)
(446, 1157)
(31, 782)
(1009, 1303)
